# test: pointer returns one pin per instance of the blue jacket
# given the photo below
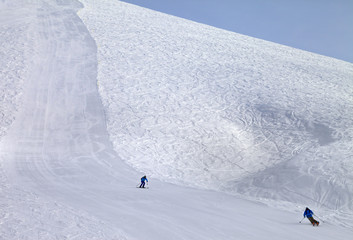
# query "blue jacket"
(143, 179)
(308, 213)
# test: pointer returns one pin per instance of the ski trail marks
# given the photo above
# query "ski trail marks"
(58, 135)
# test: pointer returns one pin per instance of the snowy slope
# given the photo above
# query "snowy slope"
(213, 109)
(183, 102)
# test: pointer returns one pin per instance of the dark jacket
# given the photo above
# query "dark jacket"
(143, 179)
(308, 213)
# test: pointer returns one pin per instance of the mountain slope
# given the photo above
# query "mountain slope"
(60, 177)
(196, 105)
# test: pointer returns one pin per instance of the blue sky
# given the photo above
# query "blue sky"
(321, 26)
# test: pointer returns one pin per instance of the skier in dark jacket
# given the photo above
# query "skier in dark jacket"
(143, 180)
(309, 214)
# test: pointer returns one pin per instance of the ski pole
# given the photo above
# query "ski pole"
(319, 218)
(301, 220)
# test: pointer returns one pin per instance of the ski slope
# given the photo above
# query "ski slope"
(237, 135)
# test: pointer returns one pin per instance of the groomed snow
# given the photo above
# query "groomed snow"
(237, 135)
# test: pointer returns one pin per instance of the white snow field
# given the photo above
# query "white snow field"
(237, 135)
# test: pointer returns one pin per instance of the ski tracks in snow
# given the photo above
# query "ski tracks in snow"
(57, 137)
(59, 164)
(200, 106)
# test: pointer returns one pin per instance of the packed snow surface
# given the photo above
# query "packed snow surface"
(236, 135)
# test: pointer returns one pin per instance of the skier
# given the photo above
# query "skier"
(309, 214)
(143, 180)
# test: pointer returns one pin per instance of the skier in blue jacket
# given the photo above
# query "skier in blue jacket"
(309, 214)
(143, 180)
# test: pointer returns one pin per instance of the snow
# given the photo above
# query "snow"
(236, 135)
(323, 27)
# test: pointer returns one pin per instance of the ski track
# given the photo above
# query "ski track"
(57, 132)
(199, 106)
(61, 179)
